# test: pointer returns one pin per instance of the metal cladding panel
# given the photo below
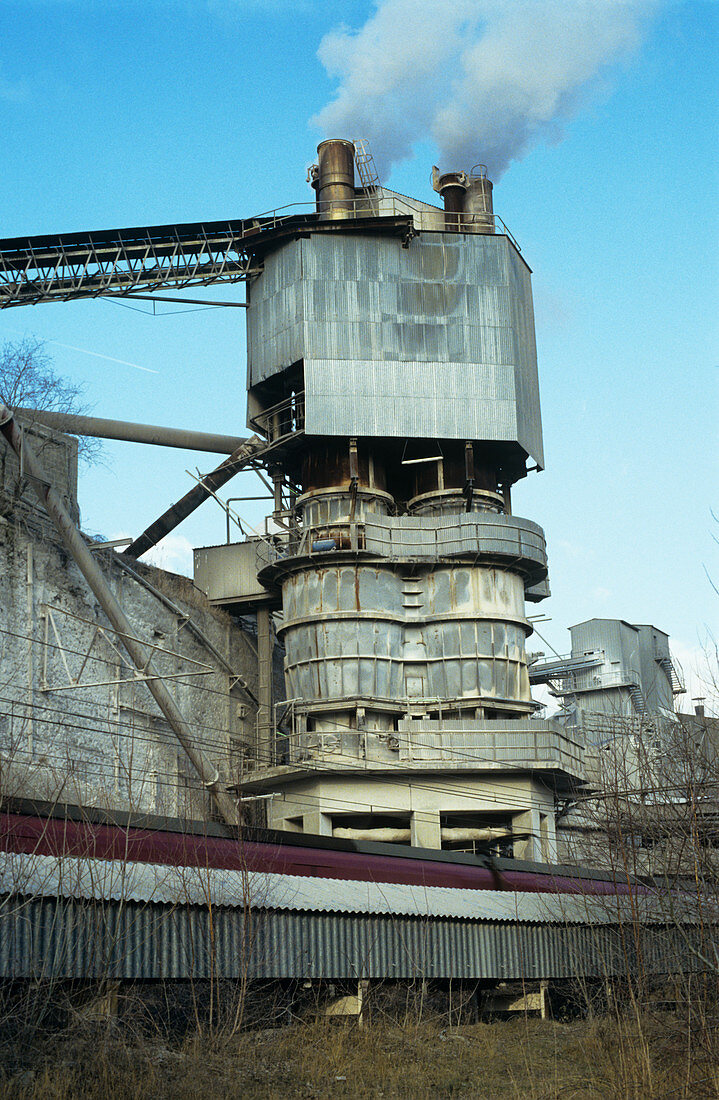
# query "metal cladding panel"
(432, 340)
(428, 537)
(526, 377)
(228, 571)
(618, 640)
(656, 682)
(274, 315)
(42, 938)
(396, 399)
(346, 632)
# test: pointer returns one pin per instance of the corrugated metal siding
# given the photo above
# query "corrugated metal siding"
(521, 541)
(69, 938)
(434, 340)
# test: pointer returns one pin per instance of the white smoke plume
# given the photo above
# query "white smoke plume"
(484, 79)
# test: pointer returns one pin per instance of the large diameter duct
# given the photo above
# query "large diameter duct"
(387, 834)
(137, 653)
(199, 493)
(348, 636)
(128, 432)
(336, 178)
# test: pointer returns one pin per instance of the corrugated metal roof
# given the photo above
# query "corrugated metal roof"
(72, 877)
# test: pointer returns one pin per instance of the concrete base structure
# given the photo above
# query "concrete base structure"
(426, 808)
(462, 785)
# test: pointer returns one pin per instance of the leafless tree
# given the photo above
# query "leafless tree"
(28, 380)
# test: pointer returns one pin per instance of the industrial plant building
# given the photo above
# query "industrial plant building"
(356, 673)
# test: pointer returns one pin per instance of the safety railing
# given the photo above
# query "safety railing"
(311, 542)
(379, 205)
(591, 679)
(284, 419)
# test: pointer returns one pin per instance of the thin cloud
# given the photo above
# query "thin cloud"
(98, 355)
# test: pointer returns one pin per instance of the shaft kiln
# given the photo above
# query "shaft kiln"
(392, 369)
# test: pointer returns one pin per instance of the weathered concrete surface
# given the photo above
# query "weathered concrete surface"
(76, 722)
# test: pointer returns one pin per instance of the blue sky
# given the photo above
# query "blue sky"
(132, 113)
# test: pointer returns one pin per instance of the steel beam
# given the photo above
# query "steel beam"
(122, 262)
(140, 656)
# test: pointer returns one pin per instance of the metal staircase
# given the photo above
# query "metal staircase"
(637, 698)
(670, 670)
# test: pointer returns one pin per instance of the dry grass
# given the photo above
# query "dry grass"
(521, 1058)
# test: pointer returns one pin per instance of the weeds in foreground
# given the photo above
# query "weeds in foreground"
(598, 1059)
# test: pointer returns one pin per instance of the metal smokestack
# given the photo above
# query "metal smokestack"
(467, 199)
(452, 186)
(478, 200)
(335, 180)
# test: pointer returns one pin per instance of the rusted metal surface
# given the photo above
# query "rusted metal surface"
(140, 655)
(452, 187)
(128, 432)
(335, 180)
(184, 507)
(368, 632)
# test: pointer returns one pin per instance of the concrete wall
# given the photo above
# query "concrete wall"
(76, 724)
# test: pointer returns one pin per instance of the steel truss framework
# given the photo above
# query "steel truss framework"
(118, 261)
(51, 616)
(121, 262)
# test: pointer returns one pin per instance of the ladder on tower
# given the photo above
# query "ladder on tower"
(367, 172)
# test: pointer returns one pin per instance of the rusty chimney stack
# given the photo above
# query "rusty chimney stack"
(335, 178)
(452, 186)
(467, 199)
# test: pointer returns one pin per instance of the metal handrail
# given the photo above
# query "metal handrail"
(432, 221)
(127, 261)
(621, 677)
(288, 414)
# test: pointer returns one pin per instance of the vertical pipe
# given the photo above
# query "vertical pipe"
(29, 584)
(265, 751)
(478, 204)
(141, 658)
(452, 187)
